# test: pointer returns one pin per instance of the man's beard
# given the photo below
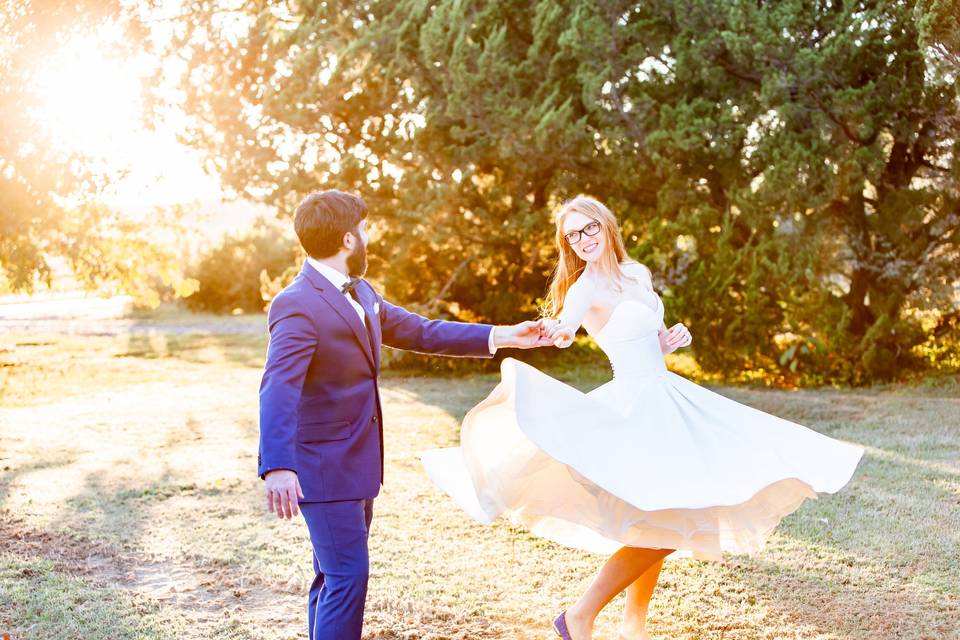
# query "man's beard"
(357, 261)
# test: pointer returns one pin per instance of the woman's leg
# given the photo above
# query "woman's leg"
(619, 572)
(634, 625)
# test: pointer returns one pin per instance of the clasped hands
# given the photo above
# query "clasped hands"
(535, 333)
(529, 334)
(550, 331)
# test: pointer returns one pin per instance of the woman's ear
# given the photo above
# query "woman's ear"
(348, 240)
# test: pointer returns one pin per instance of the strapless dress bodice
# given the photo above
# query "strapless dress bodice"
(630, 339)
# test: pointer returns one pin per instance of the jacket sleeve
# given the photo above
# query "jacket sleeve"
(403, 329)
(293, 341)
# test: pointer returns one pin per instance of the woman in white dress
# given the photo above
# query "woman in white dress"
(645, 466)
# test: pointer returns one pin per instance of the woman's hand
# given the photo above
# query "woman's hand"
(673, 338)
(558, 333)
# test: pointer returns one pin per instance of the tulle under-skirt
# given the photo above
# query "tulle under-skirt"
(651, 461)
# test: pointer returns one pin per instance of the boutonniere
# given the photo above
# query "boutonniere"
(376, 308)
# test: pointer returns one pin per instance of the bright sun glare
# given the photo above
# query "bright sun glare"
(91, 102)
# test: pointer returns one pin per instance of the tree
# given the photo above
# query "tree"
(787, 169)
(230, 275)
(50, 198)
(939, 24)
(842, 158)
(34, 177)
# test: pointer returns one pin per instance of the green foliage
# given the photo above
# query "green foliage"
(940, 350)
(230, 276)
(788, 170)
(939, 23)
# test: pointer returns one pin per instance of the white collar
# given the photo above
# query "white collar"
(336, 278)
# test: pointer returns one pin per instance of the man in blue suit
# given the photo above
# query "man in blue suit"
(321, 423)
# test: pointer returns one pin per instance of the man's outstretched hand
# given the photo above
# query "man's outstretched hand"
(283, 488)
(525, 335)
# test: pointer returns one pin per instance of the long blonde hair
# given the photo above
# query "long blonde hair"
(570, 265)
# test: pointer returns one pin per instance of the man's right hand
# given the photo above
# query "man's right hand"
(525, 335)
(283, 488)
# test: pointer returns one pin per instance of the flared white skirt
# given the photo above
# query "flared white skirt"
(652, 461)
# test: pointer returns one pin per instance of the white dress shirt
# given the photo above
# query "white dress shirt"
(338, 279)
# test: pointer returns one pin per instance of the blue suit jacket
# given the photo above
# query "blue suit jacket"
(320, 413)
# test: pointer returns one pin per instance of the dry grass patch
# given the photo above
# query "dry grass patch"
(127, 481)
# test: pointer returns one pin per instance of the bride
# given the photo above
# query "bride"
(646, 466)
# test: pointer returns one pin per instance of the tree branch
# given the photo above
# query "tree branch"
(432, 304)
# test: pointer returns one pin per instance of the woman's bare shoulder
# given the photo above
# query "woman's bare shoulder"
(637, 270)
(584, 284)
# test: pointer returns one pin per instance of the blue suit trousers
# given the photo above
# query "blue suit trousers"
(341, 565)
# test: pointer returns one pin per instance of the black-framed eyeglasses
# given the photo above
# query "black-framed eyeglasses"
(573, 237)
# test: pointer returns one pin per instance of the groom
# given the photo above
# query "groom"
(321, 421)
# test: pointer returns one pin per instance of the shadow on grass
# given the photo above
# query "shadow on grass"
(44, 576)
(840, 602)
(10, 475)
(200, 348)
(895, 513)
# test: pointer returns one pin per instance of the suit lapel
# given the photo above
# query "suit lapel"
(367, 301)
(338, 301)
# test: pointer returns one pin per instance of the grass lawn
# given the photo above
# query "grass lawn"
(131, 510)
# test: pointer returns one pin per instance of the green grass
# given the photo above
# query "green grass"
(59, 605)
(131, 509)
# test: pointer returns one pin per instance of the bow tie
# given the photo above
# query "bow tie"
(350, 287)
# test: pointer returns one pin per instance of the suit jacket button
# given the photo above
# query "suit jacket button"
(374, 418)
